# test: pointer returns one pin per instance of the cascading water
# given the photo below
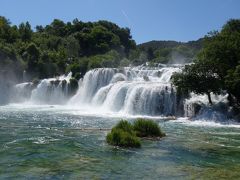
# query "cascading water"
(91, 83)
(47, 91)
(198, 106)
(22, 92)
(135, 91)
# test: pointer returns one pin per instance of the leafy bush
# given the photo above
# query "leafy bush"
(147, 128)
(77, 76)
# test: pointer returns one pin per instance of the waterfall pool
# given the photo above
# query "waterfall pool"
(46, 142)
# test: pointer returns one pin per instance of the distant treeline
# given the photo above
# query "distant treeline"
(171, 51)
(78, 46)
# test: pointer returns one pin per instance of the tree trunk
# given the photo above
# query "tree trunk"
(209, 98)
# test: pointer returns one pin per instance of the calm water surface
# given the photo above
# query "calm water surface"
(46, 143)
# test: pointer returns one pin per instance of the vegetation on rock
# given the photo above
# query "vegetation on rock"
(119, 137)
(124, 134)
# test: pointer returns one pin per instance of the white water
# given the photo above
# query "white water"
(22, 92)
(133, 91)
(207, 112)
(48, 91)
(126, 92)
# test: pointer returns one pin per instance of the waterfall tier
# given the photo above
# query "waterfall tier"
(135, 91)
(46, 91)
(129, 91)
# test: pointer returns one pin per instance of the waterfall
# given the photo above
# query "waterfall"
(22, 92)
(140, 90)
(47, 91)
(199, 105)
(91, 83)
(135, 91)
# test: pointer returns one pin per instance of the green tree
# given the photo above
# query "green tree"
(57, 28)
(217, 65)
(72, 46)
(60, 47)
(31, 56)
(197, 78)
(25, 31)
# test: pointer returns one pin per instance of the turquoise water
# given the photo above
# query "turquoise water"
(47, 143)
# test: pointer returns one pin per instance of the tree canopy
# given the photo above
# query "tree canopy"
(59, 47)
(217, 66)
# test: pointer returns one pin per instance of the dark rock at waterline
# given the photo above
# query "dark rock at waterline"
(55, 82)
(73, 86)
(64, 84)
(220, 112)
(35, 82)
(192, 110)
(145, 78)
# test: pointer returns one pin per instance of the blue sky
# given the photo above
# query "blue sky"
(180, 20)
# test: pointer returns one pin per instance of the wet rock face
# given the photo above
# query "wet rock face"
(73, 86)
(198, 107)
(192, 110)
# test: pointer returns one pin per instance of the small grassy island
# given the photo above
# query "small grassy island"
(125, 134)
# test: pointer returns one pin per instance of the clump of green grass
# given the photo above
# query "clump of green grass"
(119, 137)
(125, 126)
(124, 134)
(147, 128)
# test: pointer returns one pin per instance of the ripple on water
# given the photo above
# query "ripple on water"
(45, 143)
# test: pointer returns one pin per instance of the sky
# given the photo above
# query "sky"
(179, 20)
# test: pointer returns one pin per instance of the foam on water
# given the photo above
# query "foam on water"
(207, 123)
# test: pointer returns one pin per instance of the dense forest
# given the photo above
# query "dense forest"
(58, 48)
